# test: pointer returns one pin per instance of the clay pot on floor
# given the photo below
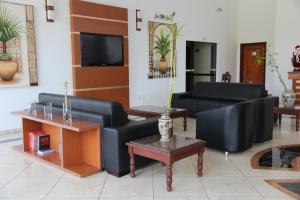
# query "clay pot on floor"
(8, 69)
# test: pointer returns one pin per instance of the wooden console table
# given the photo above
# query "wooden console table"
(295, 77)
(79, 143)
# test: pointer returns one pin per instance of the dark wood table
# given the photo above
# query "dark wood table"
(156, 111)
(294, 111)
(166, 152)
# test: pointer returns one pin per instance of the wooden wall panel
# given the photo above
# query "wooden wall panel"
(88, 77)
(115, 94)
(98, 10)
(99, 26)
(111, 83)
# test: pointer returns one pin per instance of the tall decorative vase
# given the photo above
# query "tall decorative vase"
(67, 112)
(165, 125)
(288, 98)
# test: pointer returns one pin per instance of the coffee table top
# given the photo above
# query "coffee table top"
(175, 143)
(281, 108)
(155, 109)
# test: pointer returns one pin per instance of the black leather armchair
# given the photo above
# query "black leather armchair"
(228, 129)
(115, 153)
(116, 128)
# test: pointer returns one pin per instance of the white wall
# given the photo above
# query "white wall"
(54, 62)
(201, 22)
(287, 36)
(256, 23)
(275, 22)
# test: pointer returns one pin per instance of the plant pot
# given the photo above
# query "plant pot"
(165, 125)
(288, 98)
(163, 66)
(8, 69)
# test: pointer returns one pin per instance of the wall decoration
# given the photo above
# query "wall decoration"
(18, 66)
(160, 50)
(296, 58)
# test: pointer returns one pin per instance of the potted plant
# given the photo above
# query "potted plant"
(10, 27)
(288, 95)
(165, 122)
(163, 47)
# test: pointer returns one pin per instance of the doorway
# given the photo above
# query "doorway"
(250, 71)
(201, 62)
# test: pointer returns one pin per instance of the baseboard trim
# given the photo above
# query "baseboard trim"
(18, 130)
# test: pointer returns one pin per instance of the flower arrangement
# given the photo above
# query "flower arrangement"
(272, 63)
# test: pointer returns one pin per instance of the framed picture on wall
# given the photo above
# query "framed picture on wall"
(160, 50)
(18, 65)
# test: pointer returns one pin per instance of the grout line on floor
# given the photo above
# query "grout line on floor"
(103, 187)
(53, 186)
(13, 178)
(246, 177)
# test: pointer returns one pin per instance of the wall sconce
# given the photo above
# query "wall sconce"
(139, 20)
(49, 10)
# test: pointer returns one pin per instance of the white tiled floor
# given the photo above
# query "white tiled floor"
(22, 177)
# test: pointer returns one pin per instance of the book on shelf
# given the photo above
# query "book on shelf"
(45, 151)
(32, 138)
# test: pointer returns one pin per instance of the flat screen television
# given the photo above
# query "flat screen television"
(101, 50)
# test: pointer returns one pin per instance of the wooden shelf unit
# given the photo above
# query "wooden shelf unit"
(80, 143)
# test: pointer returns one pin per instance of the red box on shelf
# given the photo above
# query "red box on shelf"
(32, 139)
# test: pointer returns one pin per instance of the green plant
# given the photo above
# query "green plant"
(175, 34)
(271, 61)
(163, 44)
(10, 27)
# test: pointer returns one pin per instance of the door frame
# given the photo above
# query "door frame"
(242, 46)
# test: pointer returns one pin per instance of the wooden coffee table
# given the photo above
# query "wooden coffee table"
(166, 152)
(294, 111)
(156, 111)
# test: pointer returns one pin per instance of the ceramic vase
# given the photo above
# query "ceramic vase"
(165, 125)
(163, 66)
(8, 69)
(288, 98)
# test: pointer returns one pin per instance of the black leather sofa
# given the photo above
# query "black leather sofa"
(116, 128)
(229, 116)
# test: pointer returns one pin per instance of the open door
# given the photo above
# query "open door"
(250, 72)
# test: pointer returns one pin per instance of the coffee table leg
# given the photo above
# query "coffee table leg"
(132, 163)
(200, 163)
(297, 122)
(184, 123)
(280, 117)
(169, 177)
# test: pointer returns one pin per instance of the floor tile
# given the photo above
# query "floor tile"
(128, 187)
(11, 170)
(41, 170)
(182, 187)
(76, 187)
(27, 188)
(229, 186)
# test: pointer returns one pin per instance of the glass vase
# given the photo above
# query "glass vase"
(67, 112)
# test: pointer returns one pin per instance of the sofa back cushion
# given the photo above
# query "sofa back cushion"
(112, 112)
(228, 91)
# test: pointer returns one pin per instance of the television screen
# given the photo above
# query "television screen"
(101, 50)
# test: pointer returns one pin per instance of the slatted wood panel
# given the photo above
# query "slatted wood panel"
(295, 77)
(111, 82)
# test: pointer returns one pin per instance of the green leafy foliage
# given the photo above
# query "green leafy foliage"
(175, 34)
(271, 61)
(5, 56)
(162, 44)
(10, 26)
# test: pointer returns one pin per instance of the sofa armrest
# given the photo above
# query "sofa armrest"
(229, 128)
